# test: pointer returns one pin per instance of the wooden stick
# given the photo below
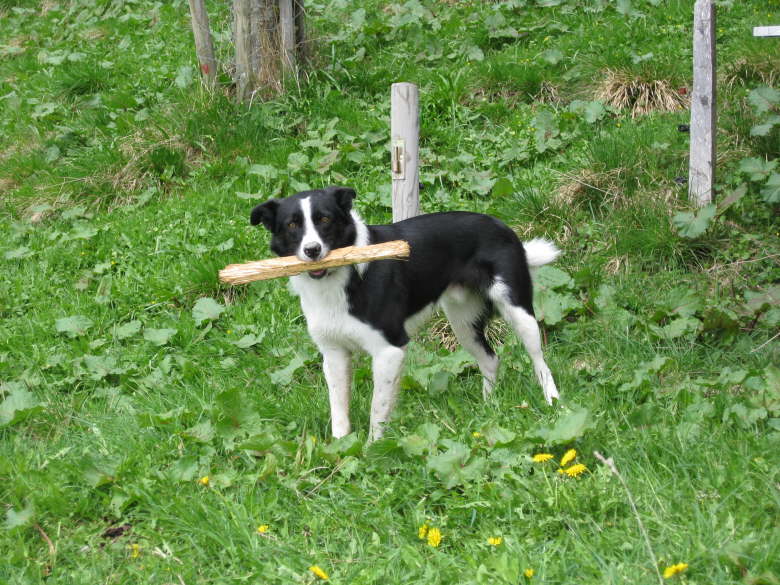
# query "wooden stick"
(291, 265)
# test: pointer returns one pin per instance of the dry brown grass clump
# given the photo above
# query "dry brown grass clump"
(589, 185)
(440, 331)
(752, 70)
(625, 90)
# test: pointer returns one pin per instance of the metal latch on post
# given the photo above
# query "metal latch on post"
(398, 159)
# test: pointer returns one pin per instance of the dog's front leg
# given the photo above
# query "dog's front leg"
(387, 365)
(337, 365)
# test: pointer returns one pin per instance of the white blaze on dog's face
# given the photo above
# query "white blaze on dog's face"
(309, 224)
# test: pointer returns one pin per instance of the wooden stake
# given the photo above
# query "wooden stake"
(204, 45)
(287, 33)
(291, 265)
(404, 142)
(242, 31)
(701, 173)
(299, 15)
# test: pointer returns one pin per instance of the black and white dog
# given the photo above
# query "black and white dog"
(468, 263)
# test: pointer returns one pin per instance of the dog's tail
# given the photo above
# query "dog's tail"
(539, 252)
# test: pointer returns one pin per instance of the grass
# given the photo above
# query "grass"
(125, 187)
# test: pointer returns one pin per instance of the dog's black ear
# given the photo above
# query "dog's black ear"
(265, 213)
(343, 195)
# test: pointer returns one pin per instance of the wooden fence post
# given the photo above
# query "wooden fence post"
(701, 173)
(242, 31)
(404, 144)
(204, 45)
(299, 14)
(287, 34)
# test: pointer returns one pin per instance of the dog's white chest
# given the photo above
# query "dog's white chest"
(326, 308)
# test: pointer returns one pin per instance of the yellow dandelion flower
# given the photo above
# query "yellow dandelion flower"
(528, 573)
(434, 537)
(495, 540)
(568, 457)
(204, 480)
(476, 434)
(263, 528)
(319, 572)
(422, 532)
(575, 470)
(674, 569)
(135, 550)
(542, 457)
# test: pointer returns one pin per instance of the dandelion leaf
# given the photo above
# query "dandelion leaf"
(570, 426)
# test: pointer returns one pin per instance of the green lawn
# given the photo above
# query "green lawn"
(158, 427)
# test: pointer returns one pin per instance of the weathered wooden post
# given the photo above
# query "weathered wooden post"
(701, 174)
(204, 45)
(287, 33)
(404, 144)
(242, 14)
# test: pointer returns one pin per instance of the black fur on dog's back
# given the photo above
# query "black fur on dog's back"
(471, 251)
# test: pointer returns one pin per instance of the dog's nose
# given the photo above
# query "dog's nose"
(312, 250)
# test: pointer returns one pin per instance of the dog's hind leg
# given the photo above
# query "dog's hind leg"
(527, 329)
(468, 313)
(387, 365)
(337, 366)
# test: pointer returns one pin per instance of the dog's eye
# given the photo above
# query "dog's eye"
(292, 225)
(325, 219)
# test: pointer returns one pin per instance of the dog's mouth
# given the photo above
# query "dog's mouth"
(317, 274)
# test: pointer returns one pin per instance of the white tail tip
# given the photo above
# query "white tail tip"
(539, 252)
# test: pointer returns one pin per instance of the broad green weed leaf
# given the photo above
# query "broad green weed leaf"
(259, 442)
(502, 188)
(18, 519)
(18, 253)
(645, 373)
(296, 161)
(457, 466)
(284, 376)
(677, 328)
(202, 432)
(127, 330)
(19, 405)
(552, 277)
(349, 445)
(771, 190)
(764, 99)
(570, 426)
(553, 307)
(184, 469)
(498, 436)
(206, 309)
(552, 56)
(249, 340)
(184, 76)
(765, 128)
(757, 169)
(100, 366)
(594, 112)
(73, 326)
(164, 419)
(692, 225)
(159, 336)
(226, 245)
(264, 171)
(100, 471)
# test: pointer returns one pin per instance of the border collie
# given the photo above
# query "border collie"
(468, 263)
